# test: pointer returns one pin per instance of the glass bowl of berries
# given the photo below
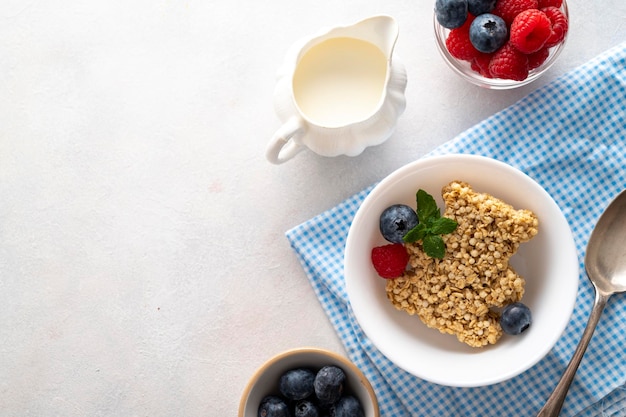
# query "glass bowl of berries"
(308, 381)
(500, 44)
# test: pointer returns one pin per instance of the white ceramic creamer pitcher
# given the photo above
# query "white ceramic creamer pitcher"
(339, 92)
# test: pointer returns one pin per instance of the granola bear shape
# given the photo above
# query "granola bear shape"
(457, 294)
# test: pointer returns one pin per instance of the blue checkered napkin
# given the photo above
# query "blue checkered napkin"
(570, 136)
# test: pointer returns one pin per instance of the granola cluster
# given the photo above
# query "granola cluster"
(457, 294)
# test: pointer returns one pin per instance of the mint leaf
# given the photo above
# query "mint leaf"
(434, 246)
(430, 227)
(443, 226)
(426, 207)
(415, 234)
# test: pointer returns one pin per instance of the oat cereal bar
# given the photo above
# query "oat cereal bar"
(457, 294)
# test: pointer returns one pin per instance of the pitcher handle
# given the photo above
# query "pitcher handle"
(282, 146)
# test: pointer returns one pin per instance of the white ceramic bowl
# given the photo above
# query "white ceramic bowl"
(265, 379)
(548, 262)
(463, 68)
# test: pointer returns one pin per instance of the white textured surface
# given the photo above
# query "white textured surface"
(143, 265)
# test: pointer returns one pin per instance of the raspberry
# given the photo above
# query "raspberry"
(559, 25)
(458, 42)
(390, 260)
(530, 30)
(480, 64)
(509, 63)
(548, 3)
(537, 58)
(508, 9)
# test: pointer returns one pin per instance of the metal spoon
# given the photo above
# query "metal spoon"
(605, 263)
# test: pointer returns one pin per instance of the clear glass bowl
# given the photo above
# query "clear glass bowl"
(463, 68)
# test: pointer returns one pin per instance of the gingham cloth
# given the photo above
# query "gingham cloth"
(570, 136)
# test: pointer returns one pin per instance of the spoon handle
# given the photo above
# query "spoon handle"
(555, 402)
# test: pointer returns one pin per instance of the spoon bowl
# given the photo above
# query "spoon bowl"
(605, 263)
(605, 260)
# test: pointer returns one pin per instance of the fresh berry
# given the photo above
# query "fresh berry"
(451, 13)
(297, 384)
(306, 408)
(559, 26)
(390, 260)
(488, 33)
(478, 7)
(273, 406)
(508, 9)
(509, 63)
(515, 318)
(537, 58)
(459, 44)
(530, 30)
(348, 406)
(480, 64)
(395, 221)
(549, 3)
(329, 384)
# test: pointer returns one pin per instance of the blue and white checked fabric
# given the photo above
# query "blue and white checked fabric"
(570, 136)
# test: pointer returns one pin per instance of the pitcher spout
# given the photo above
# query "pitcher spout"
(381, 30)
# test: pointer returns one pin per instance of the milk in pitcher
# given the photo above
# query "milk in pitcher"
(340, 81)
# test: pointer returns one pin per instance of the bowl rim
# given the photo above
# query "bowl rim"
(461, 67)
(570, 260)
(307, 349)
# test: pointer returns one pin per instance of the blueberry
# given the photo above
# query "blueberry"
(488, 33)
(478, 7)
(297, 384)
(396, 221)
(306, 408)
(329, 383)
(273, 406)
(348, 406)
(515, 318)
(451, 13)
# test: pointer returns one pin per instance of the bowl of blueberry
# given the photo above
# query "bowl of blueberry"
(308, 382)
(500, 44)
